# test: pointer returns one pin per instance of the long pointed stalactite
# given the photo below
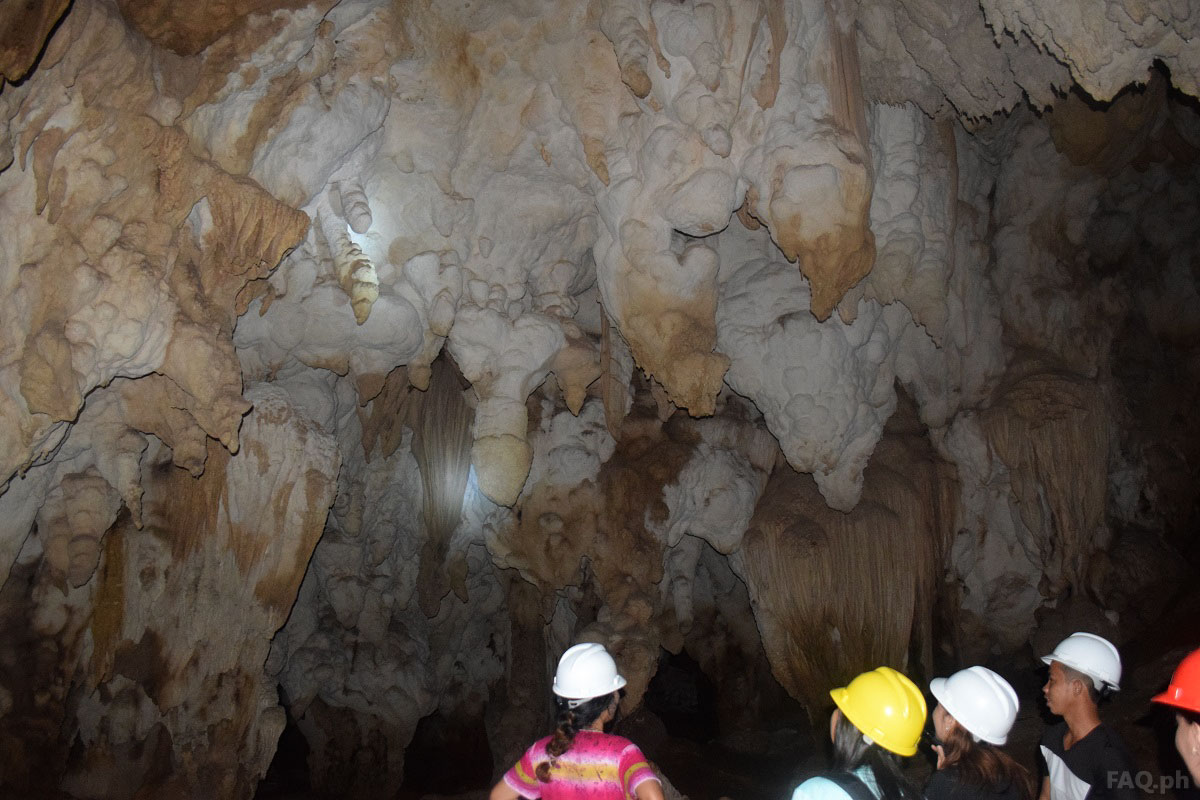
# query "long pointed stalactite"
(357, 358)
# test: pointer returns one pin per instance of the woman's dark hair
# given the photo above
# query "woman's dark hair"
(984, 765)
(851, 751)
(571, 721)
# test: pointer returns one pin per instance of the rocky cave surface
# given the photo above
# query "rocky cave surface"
(358, 356)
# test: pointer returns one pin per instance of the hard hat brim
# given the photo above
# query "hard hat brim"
(618, 684)
(1171, 698)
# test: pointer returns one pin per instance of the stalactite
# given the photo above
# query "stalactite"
(1051, 429)
(357, 276)
(441, 422)
(24, 28)
(836, 593)
(73, 524)
(381, 419)
(621, 23)
(616, 371)
(356, 209)
(546, 187)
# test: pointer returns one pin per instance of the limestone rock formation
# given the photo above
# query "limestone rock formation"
(832, 591)
(154, 645)
(25, 30)
(357, 357)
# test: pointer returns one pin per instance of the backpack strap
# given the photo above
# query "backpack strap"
(851, 784)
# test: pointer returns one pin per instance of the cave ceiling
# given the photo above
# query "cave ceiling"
(366, 353)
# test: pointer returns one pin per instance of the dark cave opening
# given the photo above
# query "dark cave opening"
(449, 755)
(288, 774)
(679, 729)
(684, 698)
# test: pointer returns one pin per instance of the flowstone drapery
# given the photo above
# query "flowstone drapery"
(557, 321)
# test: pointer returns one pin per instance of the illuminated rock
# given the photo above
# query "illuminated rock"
(527, 311)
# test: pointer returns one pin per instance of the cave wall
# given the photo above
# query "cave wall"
(361, 356)
(147, 676)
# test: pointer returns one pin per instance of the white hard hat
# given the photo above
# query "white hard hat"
(586, 671)
(982, 702)
(1092, 655)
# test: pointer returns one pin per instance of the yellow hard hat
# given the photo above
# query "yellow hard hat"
(886, 706)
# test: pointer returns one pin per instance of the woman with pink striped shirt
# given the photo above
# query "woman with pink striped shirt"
(580, 761)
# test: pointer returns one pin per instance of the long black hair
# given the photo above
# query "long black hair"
(851, 751)
(984, 765)
(570, 721)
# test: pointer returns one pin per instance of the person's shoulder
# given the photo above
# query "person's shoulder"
(1112, 744)
(1108, 735)
(539, 747)
(621, 743)
(945, 777)
(940, 784)
(819, 788)
(598, 741)
(947, 782)
(1100, 739)
(949, 773)
(1052, 737)
(611, 739)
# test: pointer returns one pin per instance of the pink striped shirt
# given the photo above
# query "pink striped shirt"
(598, 766)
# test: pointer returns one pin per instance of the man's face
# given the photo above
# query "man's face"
(1058, 689)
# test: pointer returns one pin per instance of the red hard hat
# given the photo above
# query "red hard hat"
(1184, 691)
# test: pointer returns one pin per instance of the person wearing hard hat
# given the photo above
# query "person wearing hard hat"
(879, 715)
(975, 711)
(580, 760)
(1184, 696)
(1083, 757)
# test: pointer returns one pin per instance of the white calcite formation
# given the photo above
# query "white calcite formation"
(357, 357)
(359, 661)
(841, 375)
(1104, 50)
(157, 658)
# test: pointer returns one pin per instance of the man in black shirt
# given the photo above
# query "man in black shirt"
(1083, 759)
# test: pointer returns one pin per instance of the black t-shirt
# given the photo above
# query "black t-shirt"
(1097, 767)
(948, 784)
